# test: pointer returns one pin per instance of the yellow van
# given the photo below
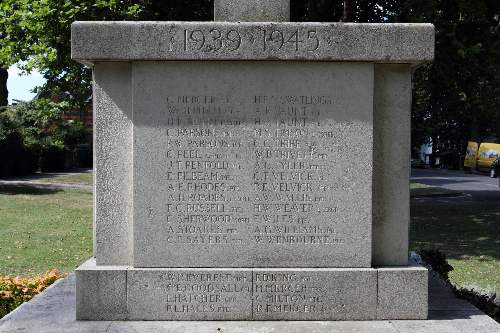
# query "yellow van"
(487, 154)
(471, 155)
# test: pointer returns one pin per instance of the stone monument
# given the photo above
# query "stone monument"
(251, 168)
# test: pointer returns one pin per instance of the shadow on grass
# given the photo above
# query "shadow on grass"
(37, 176)
(468, 229)
(48, 175)
(29, 190)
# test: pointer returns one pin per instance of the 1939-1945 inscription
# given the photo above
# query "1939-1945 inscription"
(217, 39)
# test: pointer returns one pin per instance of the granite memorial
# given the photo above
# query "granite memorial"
(251, 168)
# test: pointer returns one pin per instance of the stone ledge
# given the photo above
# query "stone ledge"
(136, 41)
(53, 311)
(250, 293)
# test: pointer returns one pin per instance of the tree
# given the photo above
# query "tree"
(456, 97)
(348, 14)
(4, 93)
(38, 33)
(315, 10)
(5, 62)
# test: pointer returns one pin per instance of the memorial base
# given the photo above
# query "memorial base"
(130, 293)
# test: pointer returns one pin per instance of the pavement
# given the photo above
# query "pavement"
(53, 311)
(36, 181)
(477, 187)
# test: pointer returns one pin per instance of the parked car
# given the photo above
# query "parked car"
(487, 154)
(495, 168)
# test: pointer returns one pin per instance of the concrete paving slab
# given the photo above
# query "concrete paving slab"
(54, 311)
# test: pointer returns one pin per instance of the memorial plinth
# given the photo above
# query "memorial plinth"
(251, 171)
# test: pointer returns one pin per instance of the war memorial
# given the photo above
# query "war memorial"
(251, 168)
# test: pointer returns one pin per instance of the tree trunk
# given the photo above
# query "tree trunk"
(348, 11)
(475, 134)
(4, 93)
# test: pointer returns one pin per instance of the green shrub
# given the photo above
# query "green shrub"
(34, 135)
(14, 291)
(17, 159)
(41, 122)
(83, 156)
(72, 132)
(55, 159)
(437, 261)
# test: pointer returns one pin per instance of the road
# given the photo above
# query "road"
(476, 186)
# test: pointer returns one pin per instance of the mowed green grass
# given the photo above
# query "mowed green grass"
(423, 190)
(44, 229)
(467, 232)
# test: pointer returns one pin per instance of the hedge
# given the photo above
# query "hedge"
(17, 159)
(14, 291)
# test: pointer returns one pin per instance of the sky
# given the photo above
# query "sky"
(20, 86)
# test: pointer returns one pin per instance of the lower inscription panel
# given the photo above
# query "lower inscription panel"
(127, 293)
(252, 294)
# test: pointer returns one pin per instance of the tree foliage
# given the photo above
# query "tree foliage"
(33, 132)
(4, 93)
(38, 33)
(41, 124)
(455, 97)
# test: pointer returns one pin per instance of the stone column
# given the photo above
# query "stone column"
(252, 10)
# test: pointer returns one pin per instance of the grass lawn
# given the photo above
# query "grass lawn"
(43, 229)
(77, 178)
(423, 190)
(467, 232)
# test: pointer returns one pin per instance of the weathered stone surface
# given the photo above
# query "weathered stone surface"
(113, 163)
(189, 294)
(391, 169)
(252, 164)
(252, 10)
(402, 293)
(314, 294)
(101, 292)
(135, 41)
(120, 292)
